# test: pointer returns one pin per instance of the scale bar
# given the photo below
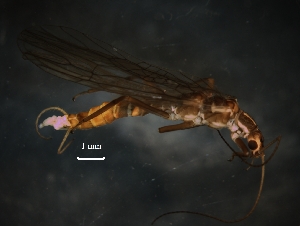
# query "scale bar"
(90, 158)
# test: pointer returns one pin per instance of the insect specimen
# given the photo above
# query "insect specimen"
(144, 88)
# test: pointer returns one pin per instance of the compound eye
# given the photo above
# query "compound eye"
(252, 144)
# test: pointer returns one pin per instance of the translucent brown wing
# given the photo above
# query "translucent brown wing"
(74, 56)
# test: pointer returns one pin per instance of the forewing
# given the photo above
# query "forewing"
(74, 56)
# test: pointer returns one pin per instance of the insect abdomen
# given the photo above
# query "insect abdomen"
(123, 109)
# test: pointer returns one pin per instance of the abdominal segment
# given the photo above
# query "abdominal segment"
(120, 110)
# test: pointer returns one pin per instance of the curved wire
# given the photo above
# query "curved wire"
(42, 112)
(220, 219)
(61, 149)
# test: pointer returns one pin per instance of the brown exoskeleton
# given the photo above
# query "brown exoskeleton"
(144, 89)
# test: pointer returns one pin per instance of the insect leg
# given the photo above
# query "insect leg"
(85, 92)
(245, 151)
(181, 126)
(186, 124)
(128, 99)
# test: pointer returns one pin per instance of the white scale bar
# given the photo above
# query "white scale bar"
(90, 158)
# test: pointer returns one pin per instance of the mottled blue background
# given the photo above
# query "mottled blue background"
(250, 47)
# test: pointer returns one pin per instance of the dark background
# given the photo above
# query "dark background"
(250, 47)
